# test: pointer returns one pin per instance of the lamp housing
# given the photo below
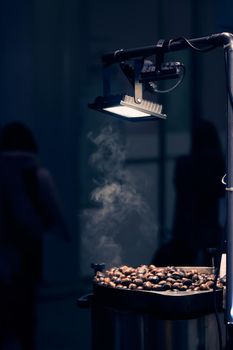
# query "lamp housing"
(125, 106)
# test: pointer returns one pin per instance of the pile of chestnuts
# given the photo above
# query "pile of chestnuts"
(152, 278)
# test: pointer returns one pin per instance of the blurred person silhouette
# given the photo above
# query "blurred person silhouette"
(197, 182)
(29, 207)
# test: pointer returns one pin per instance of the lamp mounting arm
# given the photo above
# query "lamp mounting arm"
(138, 64)
(160, 55)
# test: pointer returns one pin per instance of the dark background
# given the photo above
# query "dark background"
(50, 69)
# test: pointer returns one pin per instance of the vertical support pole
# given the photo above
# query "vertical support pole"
(229, 188)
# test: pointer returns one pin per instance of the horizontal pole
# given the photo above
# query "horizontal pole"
(221, 39)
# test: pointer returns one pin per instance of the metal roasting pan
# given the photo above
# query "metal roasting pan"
(165, 305)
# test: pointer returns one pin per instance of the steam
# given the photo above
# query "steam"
(122, 215)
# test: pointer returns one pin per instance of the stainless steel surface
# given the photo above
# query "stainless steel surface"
(120, 330)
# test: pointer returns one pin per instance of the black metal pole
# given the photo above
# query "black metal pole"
(229, 188)
(120, 55)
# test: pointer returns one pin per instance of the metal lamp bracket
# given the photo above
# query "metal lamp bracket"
(138, 64)
(159, 54)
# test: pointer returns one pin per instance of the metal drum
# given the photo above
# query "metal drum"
(114, 329)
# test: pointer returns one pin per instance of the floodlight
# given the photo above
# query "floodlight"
(142, 74)
(125, 106)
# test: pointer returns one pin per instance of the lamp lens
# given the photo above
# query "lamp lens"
(126, 112)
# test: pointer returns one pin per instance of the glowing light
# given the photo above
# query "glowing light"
(126, 112)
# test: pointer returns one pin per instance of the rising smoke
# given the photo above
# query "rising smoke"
(121, 216)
